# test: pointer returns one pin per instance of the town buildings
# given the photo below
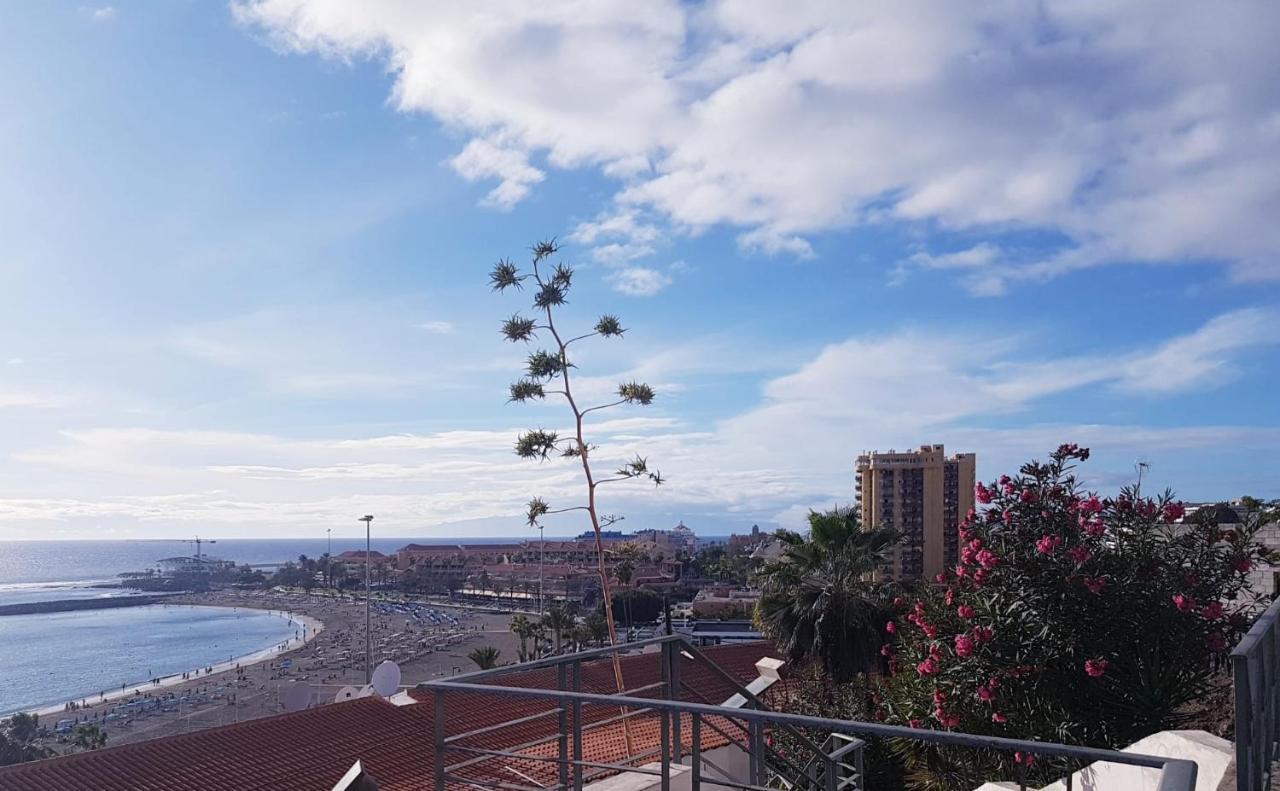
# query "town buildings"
(924, 495)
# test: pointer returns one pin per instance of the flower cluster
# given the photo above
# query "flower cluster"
(1058, 600)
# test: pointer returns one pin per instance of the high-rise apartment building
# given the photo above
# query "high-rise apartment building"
(923, 495)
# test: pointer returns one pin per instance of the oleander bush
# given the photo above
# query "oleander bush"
(1070, 618)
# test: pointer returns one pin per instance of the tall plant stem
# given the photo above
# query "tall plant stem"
(605, 589)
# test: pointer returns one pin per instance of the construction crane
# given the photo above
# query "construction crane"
(198, 541)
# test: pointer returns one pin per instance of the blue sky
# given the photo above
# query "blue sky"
(243, 252)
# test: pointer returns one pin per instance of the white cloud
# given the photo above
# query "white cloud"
(639, 281)
(438, 327)
(104, 14)
(485, 159)
(15, 361)
(791, 450)
(1135, 133)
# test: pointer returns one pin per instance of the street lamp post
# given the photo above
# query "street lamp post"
(542, 553)
(328, 557)
(368, 635)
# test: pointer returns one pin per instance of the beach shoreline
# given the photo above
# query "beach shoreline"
(312, 629)
(428, 640)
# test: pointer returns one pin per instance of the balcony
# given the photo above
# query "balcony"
(672, 729)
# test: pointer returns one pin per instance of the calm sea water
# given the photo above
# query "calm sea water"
(25, 562)
(51, 658)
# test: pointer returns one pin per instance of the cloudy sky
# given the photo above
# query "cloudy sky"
(244, 248)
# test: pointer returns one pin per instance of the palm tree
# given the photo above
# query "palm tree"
(89, 736)
(597, 628)
(521, 628)
(559, 622)
(818, 601)
(624, 572)
(485, 657)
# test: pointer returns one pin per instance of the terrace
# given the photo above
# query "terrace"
(668, 733)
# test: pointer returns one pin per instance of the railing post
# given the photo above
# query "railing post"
(696, 755)
(563, 721)
(577, 727)
(1177, 775)
(665, 724)
(439, 737)
(673, 651)
(1245, 780)
(757, 752)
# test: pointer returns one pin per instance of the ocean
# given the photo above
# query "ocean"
(51, 658)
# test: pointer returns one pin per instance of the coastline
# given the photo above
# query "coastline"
(428, 643)
(312, 628)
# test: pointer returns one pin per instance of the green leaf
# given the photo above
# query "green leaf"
(526, 389)
(544, 365)
(504, 275)
(609, 326)
(518, 328)
(544, 249)
(536, 443)
(636, 393)
(537, 508)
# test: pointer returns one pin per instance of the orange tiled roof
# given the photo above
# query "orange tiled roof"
(311, 749)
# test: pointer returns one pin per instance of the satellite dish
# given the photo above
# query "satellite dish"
(366, 692)
(297, 697)
(346, 693)
(386, 679)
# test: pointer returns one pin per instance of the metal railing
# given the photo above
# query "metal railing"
(1257, 693)
(558, 754)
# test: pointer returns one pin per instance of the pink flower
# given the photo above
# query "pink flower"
(1024, 758)
(983, 634)
(940, 578)
(981, 493)
(1047, 544)
(930, 630)
(914, 723)
(997, 717)
(1007, 516)
(1080, 555)
(1184, 603)
(947, 719)
(980, 577)
(1095, 667)
(886, 650)
(1094, 584)
(891, 627)
(1008, 487)
(965, 611)
(988, 559)
(1028, 495)
(1146, 509)
(1212, 611)
(1095, 528)
(1174, 511)
(985, 695)
(950, 597)
(961, 571)
(968, 557)
(927, 668)
(1004, 479)
(1242, 564)
(964, 645)
(939, 697)
(1092, 505)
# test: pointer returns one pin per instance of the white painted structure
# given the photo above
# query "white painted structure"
(1211, 754)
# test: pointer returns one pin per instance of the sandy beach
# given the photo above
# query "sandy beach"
(327, 653)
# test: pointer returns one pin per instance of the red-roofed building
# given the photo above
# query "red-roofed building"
(311, 750)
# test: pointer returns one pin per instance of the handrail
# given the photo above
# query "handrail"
(1176, 774)
(1255, 667)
